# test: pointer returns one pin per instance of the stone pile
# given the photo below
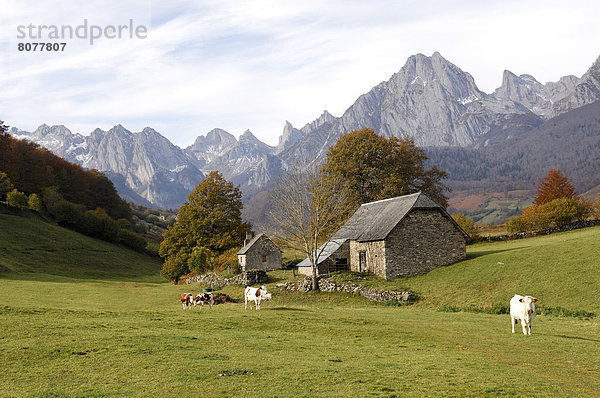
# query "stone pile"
(327, 284)
(247, 278)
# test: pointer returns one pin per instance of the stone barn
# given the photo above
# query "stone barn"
(259, 252)
(402, 236)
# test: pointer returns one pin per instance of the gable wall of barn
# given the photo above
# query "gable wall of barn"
(254, 256)
(422, 241)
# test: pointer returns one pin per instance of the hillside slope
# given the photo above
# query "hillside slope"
(30, 246)
(561, 270)
(568, 142)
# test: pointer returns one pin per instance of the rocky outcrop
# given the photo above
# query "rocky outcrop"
(288, 137)
(248, 162)
(538, 98)
(208, 148)
(586, 91)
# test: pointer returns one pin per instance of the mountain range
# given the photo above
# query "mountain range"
(429, 99)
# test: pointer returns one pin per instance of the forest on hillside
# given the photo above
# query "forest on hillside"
(570, 142)
(32, 168)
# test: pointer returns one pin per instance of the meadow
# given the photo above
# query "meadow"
(84, 318)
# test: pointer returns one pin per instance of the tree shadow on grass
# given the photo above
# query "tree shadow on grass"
(564, 336)
(471, 256)
(284, 309)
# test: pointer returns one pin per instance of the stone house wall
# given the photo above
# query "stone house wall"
(422, 241)
(322, 269)
(263, 255)
(375, 254)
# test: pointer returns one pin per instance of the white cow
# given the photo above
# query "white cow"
(255, 294)
(522, 308)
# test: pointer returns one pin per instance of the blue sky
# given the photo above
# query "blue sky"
(253, 65)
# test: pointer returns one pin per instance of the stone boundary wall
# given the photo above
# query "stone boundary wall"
(247, 278)
(327, 284)
(522, 235)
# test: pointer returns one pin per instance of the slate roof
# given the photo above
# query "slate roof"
(328, 248)
(244, 249)
(375, 220)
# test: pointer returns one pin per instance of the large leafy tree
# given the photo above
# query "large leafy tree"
(374, 168)
(554, 186)
(210, 220)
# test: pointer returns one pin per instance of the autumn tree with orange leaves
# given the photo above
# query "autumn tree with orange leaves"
(554, 186)
(555, 205)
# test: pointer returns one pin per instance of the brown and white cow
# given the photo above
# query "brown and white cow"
(256, 294)
(187, 299)
(203, 298)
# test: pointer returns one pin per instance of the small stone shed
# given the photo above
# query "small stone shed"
(259, 252)
(402, 236)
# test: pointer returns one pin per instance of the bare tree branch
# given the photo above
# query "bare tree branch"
(307, 212)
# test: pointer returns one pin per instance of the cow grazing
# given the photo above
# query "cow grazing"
(203, 298)
(256, 294)
(186, 300)
(522, 308)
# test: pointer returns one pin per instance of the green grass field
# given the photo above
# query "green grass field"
(83, 318)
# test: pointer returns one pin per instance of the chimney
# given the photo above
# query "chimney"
(249, 236)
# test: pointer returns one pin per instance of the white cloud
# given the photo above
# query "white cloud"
(240, 64)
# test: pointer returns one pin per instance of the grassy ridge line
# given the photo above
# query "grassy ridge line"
(29, 245)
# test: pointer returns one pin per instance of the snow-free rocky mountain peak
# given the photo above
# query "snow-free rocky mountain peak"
(538, 98)
(429, 99)
(586, 91)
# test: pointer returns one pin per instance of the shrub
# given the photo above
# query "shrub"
(556, 213)
(175, 267)
(67, 213)
(228, 261)
(515, 225)
(34, 202)
(132, 240)
(563, 211)
(125, 224)
(16, 199)
(5, 185)
(564, 312)
(99, 224)
(467, 224)
(595, 209)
